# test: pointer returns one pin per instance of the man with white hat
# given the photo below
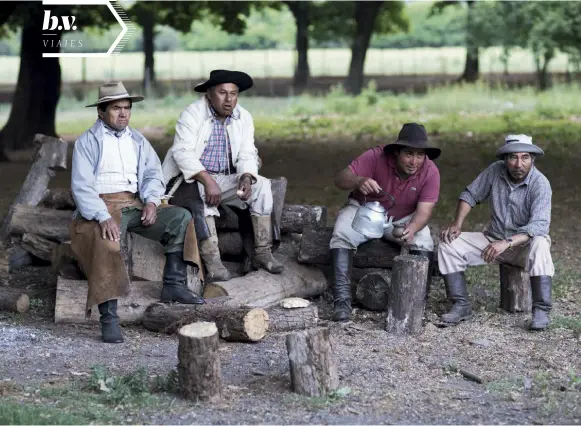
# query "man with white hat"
(117, 184)
(517, 234)
(214, 157)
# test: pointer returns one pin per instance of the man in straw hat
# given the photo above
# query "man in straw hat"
(117, 184)
(403, 169)
(517, 234)
(214, 156)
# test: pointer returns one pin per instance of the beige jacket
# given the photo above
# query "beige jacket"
(193, 130)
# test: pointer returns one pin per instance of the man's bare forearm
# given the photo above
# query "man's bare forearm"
(345, 179)
(462, 211)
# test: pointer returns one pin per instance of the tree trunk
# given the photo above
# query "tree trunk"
(235, 324)
(148, 24)
(300, 11)
(471, 65)
(290, 319)
(49, 223)
(60, 199)
(199, 368)
(366, 13)
(373, 290)
(515, 289)
(314, 250)
(38, 246)
(543, 75)
(407, 294)
(37, 90)
(14, 300)
(313, 368)
(4, 265)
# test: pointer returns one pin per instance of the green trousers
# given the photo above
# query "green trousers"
(169, 228)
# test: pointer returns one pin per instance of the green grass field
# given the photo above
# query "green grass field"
(280, 63)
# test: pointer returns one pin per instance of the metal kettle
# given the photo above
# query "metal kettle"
(372, 219)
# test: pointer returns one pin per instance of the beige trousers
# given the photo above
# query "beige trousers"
(344, 236)
(466, 250)
(260, 201)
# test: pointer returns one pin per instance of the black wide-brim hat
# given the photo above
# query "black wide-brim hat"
(239, 78)
(413, 135)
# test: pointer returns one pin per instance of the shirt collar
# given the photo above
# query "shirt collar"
(113, 132)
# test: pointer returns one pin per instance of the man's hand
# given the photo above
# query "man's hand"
(493, 250)
(245, 185)
(149, 214)
(110, 230)
(450, 233)
(368, 186)
(213, 192)
(408, 235)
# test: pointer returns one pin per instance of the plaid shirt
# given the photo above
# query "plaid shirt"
(523, 208)
(217, 156)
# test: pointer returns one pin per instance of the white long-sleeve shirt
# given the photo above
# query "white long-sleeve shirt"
(117, 170)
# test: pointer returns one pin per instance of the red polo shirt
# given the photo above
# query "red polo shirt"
(422, 186)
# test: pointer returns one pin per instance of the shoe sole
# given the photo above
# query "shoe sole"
(441, 323)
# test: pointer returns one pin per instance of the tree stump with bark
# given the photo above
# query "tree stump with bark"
(13, 300)
(290, 317)
(515, 289)
(373, 290)
(406, 300)
(235, 324)
(313, 368)
(199, 368)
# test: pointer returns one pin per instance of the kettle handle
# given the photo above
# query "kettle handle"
(385, 193)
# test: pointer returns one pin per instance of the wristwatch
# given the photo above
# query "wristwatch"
(509, 241)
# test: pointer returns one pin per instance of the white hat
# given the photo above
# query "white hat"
(518, 143)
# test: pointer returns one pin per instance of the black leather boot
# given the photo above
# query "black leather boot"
(430, 256)
(110, 329)
(541, 291)
(457, 293)
(342, 260)
(175, 288)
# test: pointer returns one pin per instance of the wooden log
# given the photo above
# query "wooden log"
(261, 288)
(373, 290)
(60, 199)
(295, 218)
(407, 294)
(51, 155)
(4, 265)
(235, 324)
(64, 263)
(38, 246)
(314, 250)
(17, 257)
(313, 367)
(71, 298)
(199, 368)
(230, 243)
(48, 223)
(515, 289)
(14, 300)
(292, 319)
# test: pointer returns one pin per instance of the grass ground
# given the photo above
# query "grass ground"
(529, 377)
(281, 63)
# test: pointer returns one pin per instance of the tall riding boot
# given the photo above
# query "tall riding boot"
(342, 261)
(430, 256)
(542, 304)
(110, 329)
(210, 254)
(262, 256)
(175, 288)
(457, 293)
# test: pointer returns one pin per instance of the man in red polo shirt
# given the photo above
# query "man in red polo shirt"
(402, 170)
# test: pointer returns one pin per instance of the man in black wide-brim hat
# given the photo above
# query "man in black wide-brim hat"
(214, 156)
(405, 171)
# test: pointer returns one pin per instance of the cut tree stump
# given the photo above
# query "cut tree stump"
(71, 299)
(313, 368)
(515, 289)
(14, 300)
(377, 253)
(60, 199)
(51, 155)
(295, 218)
(38, 246)
(199, 368)
(373, 290)
(292, 319)
(406, 301)
(235, 324)
(261, 288)
(48, 223)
